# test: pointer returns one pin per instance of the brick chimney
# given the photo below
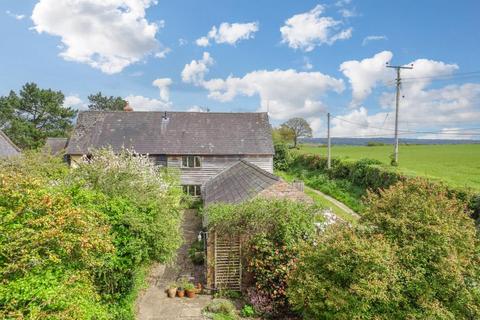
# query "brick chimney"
(128, 108)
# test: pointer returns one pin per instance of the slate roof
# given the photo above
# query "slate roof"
(237, 183)
(196, 133)
(56, 145)
(7, 147)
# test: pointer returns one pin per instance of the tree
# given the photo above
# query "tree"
(34, 114)
(283, 135)
(415, 256)
(300, 128)
(99, 102)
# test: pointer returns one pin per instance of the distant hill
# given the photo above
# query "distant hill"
(365, 141)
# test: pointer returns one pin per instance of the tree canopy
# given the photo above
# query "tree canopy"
(282, 134)
(99, 102)
(34, 114)
(299, 127)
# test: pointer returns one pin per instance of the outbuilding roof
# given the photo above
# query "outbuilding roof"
(7, 147)
(237, 183)
(55, 145)
(175, 133)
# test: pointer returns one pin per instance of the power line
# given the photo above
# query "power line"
(454, 75)
(468, 134)
(446, 77)
(367, 126)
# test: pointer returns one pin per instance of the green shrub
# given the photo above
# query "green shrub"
(345, 275)
(348, 180)
(48, 248)
(247, 311)
(375, 144)
(221, 316)
(51, 294)
(415, 256)
(282, 157)
(103, 221)
(196, 252)
(142, 204)
(220, 309)
(229, 294)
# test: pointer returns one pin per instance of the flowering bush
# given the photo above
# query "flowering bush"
(73, 243)
(142, 203)
(415, 256)
(272, 231)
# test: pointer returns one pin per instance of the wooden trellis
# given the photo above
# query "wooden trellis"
(228, 262)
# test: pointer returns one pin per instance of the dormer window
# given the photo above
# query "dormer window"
(191, 162)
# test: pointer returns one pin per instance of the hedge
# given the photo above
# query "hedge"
(370, 174)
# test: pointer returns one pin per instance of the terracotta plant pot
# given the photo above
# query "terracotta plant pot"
(180, 293)
(191, 293)
(172, 292)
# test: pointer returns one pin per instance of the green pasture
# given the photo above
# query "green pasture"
(457, 165)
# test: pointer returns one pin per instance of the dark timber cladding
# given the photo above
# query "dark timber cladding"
(174, 133)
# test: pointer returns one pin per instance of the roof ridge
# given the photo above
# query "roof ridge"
(264, 172)
(158, 111)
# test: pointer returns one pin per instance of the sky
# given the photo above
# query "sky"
(289, 58)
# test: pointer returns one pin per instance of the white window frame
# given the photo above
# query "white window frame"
(191, 162)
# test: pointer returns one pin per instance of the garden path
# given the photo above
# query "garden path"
(153, 303)
(339, 204)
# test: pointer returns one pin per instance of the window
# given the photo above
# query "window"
(159, 160)
(191, 162)
(193, 190)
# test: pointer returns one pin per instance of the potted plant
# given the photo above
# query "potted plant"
(190, 290)
(181, 287)
(180, 292)
(172, 290)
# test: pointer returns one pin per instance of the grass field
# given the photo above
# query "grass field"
(458, 165)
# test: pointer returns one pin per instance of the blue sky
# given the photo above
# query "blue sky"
(292, 58)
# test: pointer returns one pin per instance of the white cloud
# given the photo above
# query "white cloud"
(307, 30)
(367, 39)
(229, 33)
(195, 71)
(14, 15)
(163, 53)
(348, 13)
(283, 93)
(421, 108)
(196, 109)
(342, 3)
(74, 102)
(364, 75)
(141, 103)
(202, 42)
(453, 134)
(163, 84)
(107, 35)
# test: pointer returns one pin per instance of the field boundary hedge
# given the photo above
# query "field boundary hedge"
(370, 174)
